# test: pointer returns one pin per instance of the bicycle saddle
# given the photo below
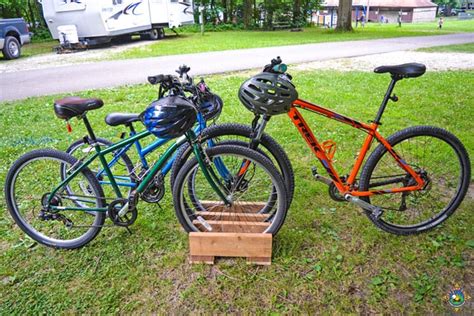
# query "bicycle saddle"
(114, 119)
(410, 70)
(69, 107)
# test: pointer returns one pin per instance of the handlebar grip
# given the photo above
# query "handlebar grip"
(155, 79)
(159, 79)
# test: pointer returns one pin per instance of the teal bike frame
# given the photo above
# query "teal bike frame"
(189, 136)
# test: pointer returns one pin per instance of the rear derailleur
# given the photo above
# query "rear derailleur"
(46, 214)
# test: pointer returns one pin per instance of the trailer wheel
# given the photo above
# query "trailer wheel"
(154, 34)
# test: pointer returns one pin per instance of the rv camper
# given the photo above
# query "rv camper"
(93, 22)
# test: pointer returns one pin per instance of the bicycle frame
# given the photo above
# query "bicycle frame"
(143, 152)
(100, 154)
(346, 187)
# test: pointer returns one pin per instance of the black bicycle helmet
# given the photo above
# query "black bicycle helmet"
(268, 93)
(169, 117)
(210, 106)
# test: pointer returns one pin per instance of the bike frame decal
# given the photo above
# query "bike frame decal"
(371, 130)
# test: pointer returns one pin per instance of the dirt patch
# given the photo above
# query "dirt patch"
(433, 61)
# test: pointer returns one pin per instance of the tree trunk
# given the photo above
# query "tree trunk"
(296, 11)
(344, 16)
(268, 5)
(231, 15)
(224, 11)
(32, 15)
(247, 13)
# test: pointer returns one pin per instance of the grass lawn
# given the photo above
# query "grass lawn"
(216, 41)
(462, 48)
(327, 257)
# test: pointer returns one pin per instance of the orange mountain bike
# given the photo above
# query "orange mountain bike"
(413, 180)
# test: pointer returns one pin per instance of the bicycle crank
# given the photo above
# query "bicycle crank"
(122, 213)
(376, 211)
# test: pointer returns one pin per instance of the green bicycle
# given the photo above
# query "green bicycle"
(68, 212)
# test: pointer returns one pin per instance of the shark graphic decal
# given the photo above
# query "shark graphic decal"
(130, 9)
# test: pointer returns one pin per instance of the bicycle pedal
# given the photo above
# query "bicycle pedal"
(319, 177)
(377, 212)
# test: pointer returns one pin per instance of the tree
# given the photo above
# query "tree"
(344, 16)
(248, 13)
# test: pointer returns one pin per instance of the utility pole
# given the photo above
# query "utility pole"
(201, 18)
(368, 11)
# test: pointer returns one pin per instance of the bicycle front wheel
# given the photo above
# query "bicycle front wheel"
(27, 190)
(241, 135)
(439, 158)
(258, 196)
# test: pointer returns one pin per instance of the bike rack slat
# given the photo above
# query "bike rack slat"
(235, 232)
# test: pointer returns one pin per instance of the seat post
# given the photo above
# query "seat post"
(386, 98)
(89, 128)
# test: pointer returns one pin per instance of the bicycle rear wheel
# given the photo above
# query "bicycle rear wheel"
(259, 197)
(439, 158)
(28, 186)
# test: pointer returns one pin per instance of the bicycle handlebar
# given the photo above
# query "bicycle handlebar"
(160, 79)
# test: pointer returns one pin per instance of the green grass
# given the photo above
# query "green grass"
(461, 48)
(218, 41)
(328, 257)
(36, 48)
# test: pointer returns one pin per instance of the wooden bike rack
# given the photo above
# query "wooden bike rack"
(236, 233)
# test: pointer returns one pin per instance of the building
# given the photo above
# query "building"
(387, 11)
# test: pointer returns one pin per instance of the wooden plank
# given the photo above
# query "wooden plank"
(228, 216)
(232, 245)
(238, 207)
(233, 226)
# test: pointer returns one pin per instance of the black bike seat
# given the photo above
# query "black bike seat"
(114, 119)
(410, 70)
(69, 107)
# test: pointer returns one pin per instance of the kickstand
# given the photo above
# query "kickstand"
(161, 209)
(128, 229)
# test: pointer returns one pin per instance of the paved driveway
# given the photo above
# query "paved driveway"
(66, 79)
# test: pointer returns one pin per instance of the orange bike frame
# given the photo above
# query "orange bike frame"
(370, 129)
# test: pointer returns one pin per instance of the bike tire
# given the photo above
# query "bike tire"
(275, 151)
(397, 138)
(41, 238)
(181, 207)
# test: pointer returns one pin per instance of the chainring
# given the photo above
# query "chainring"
(126, 220)
(155, 191)
(334, 193)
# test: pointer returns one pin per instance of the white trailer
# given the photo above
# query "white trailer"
(98, 21)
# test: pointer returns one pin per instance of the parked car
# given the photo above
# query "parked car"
(14, 34)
